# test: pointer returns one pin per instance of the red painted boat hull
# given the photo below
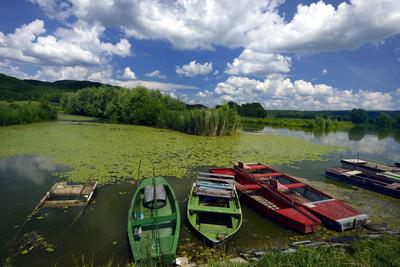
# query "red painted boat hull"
(256, 196)
(333, 213)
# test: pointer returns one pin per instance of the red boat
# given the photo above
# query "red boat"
(333, 213)
(273, 205)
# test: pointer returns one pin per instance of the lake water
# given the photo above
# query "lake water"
(100, 233)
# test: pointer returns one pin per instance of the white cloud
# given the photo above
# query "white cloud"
(129, 74)
(78, 45)
(277, 92)
(250, 62)
(194, 69)
(102, 74)
(155, 74)
(254, 24)
(324, 72)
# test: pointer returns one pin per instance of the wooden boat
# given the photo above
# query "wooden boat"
(372, 182)
(213, 208)
(271, 204)
(373, 168)
(333, 213)
(63, 194)
(154, 222)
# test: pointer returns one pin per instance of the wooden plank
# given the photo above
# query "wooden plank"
(63, 203)
(41, 202)
(215, 175)
(216, 179)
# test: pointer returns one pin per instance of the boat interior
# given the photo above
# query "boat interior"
(149, 223)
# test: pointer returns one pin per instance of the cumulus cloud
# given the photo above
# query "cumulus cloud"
(155, 74)
(78, 45)
(194, 69)
(254, 24)
(251, 62)
(278, 92)
(324, 72)
(129, 74)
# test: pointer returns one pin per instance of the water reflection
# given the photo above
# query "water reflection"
(34, 169)
(383, 145)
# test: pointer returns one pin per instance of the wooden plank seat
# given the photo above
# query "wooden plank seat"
(212, 192)
(153, 220)
(214, 209)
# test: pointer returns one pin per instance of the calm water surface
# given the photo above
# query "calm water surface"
(100, 233)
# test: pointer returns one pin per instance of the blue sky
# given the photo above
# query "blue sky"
(305, 55)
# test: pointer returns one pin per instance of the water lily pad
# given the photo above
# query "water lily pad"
(89, 154)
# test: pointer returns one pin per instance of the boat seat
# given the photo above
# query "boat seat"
(214, 209)
(150, 221)
(296, 185)
(213, 192)
(248, 187)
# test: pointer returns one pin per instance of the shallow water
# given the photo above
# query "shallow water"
(100, 233)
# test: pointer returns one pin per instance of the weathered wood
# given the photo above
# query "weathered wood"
(82, 193)
(40, 204)
(208, 174)
(63, 203)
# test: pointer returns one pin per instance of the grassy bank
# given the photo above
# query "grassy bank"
(364, 253)
(320, 124)
(106, 152)
(25, 112)
(375, 252)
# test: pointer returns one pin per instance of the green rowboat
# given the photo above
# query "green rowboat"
(154, 222)
(213, 208)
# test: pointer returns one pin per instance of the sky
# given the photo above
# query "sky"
(305, 55)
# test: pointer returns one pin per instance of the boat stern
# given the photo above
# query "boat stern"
(349, 223)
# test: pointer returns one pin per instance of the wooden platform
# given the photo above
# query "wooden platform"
(64, 195)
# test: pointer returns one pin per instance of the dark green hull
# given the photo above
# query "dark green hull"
(159, 228)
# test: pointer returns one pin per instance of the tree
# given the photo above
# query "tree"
(397, 121)
(384, 120)
(252, 110)
(359, 115)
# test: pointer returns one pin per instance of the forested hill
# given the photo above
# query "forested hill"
(15, 89)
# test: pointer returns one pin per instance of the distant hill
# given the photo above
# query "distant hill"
(15, 89)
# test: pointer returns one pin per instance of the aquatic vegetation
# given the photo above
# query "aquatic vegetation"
(109, 152)
(212, 122)
(316, 124)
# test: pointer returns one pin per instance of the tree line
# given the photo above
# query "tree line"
(319, 119)
(23, 113)
(141, 106)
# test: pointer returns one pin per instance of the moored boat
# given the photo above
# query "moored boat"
(213, 208)
(373, 168)
(372, 182)
(271, 204)
(333, 213)
(154, 222)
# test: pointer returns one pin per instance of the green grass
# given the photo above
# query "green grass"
(107, 152)
(378, 252)
(311, 124)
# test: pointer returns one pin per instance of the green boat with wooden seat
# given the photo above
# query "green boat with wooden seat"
(213, 208)
(154, 222)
